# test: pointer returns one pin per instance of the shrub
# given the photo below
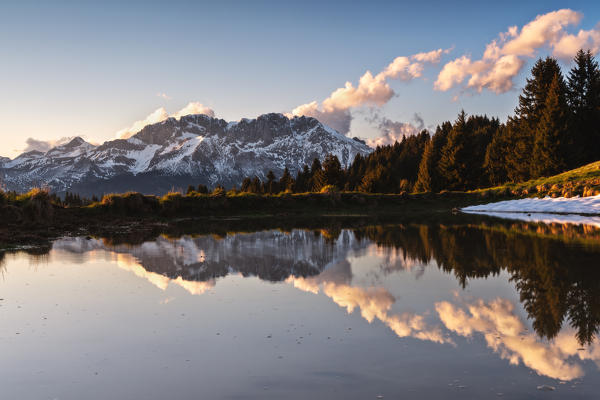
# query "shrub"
(130, 202)
(329, 189)
(36, 204)
(405, 185)
(218, 192)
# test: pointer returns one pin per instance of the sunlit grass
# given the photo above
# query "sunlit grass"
(583, 181)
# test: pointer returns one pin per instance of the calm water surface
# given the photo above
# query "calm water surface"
(412, 311)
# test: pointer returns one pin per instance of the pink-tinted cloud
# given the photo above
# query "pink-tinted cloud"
(504, 57)
(373, 90)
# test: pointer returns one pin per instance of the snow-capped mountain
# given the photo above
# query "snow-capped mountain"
(174, 153)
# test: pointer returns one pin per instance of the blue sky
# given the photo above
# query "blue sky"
(91, 69)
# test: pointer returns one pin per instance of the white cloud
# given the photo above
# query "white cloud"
(161, 114)
(373, 90)
(163, 96)
(503, 58)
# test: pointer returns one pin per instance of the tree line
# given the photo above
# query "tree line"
(555, 127)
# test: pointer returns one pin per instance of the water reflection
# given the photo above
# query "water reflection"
(553, 268)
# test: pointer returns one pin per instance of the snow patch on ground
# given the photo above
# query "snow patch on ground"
(564, 205)
(574, 219)
(547, 210)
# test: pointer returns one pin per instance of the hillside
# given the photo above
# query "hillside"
(583, 181)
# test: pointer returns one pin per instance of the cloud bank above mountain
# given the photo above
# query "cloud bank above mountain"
(161, 114)
(372, 90)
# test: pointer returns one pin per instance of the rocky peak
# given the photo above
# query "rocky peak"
(177, 152)
(75, 142)
(73, 148)
(30, 154)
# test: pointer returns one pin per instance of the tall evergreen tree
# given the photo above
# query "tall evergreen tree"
(583, 97)
(517, 152)
(425, 177)
(317, 178)
(332, 169)
(270, 184)
(527, 115)
(451, 165)
(202, 189)
(246, 184)
(428, 177)
(549, 151)
(256, 186)
(355, 173)
(286, 182)
(495, 158)
(302, 180)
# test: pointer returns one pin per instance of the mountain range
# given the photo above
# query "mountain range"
(194, 149)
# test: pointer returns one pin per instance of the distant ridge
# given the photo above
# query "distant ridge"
(176, 152)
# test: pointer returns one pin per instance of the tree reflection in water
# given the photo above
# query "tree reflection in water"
(556, 269)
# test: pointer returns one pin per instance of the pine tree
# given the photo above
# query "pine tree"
(202, 189)
(270, 184)
(527, 116)
(256, 186)
(246, 183)
(302, 180)
(355, 173)
(428, 178)
(583, 97)
(318, 180)
(317, 177)
(452, 165)
(495, 158)
(286, 182)
(533, 98)
(426, 170)
(332, 170)
(551, 133)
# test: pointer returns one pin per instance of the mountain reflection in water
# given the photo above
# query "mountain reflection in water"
(554, 269)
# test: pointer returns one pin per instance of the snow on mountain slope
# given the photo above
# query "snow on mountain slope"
(193, 149)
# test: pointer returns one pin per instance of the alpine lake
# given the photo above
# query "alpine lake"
(470, 307)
